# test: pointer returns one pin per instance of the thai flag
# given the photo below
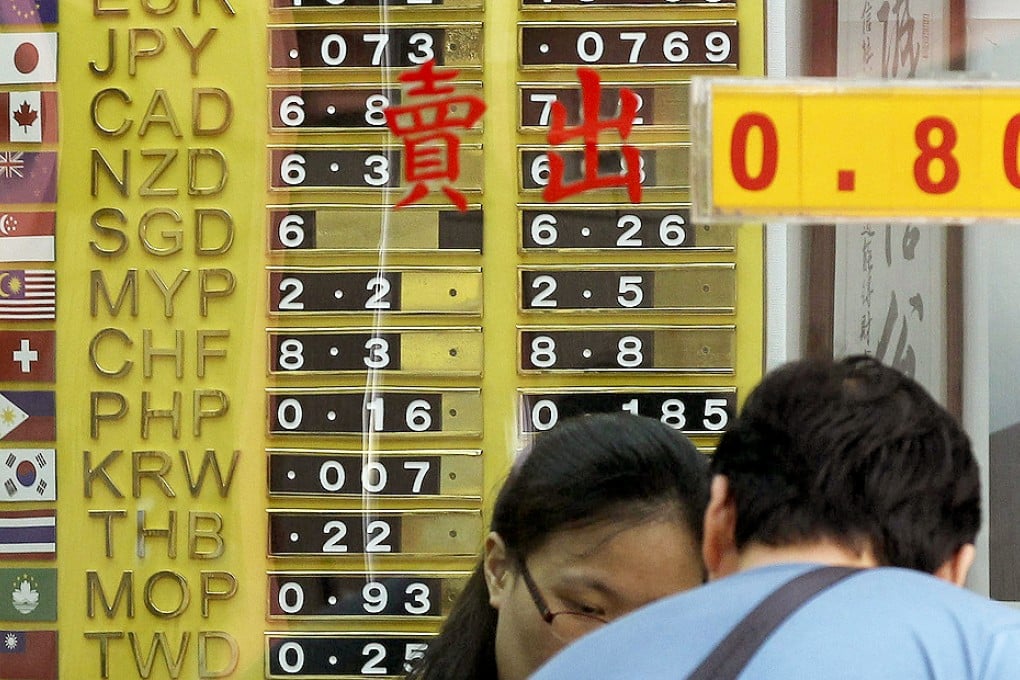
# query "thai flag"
(28, 534)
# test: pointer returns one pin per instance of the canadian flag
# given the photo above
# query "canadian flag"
(30, 117)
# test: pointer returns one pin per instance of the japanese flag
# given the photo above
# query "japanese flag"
(28, 58)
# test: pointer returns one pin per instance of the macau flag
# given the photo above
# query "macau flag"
(28, 595)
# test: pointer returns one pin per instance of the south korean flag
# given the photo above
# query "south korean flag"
(28, 475)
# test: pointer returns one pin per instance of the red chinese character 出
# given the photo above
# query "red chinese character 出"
(589, 129)
(433, 151)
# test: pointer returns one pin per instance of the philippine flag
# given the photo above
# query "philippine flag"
(28, 475)
(29, 416)
(28, 654)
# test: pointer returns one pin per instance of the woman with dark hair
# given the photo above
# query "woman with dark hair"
(600, 517)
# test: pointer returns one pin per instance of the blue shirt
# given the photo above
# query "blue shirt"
(880, 624)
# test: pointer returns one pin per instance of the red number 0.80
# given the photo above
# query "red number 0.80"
(940, 151)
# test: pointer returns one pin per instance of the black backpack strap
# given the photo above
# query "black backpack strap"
(728, 659)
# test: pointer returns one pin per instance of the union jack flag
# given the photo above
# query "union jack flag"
(11, 163)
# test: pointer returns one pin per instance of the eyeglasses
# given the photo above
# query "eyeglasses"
(567, 625)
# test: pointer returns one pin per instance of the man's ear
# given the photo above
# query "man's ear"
(956, 568)
(496, 565)
(720, 548)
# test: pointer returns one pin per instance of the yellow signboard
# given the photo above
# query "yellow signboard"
(267, 352)
(819, 149)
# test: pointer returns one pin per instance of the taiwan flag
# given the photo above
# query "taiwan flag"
(31, 117)
(28, 654)
(28, 416)
(28, 356)
(28, 11)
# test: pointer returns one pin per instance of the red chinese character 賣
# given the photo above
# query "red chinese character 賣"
(432, 149)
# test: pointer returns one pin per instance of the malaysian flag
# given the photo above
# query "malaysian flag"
(28, 294)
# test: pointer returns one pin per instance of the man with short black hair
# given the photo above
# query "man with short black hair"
(847, 464)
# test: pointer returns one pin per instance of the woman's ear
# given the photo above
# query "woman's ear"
(496, 565)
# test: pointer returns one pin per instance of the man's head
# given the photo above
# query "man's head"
(852, 454)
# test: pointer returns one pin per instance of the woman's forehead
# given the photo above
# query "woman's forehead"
(610, 538)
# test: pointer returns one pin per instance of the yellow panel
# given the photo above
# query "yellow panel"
(459, 292)
(441, 351)
(165, 235)
(930, 151)
(709, 289)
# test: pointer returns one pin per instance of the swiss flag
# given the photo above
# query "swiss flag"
(28, 356)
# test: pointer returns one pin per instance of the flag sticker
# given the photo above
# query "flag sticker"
(28, 595)
(28, 177)
(31, 117)
(28, 654)
(28, 294)
(28, 236)
(28, 356)
(27, 475)
(28, 534)
(28, 12)
(28, 416)
(28, 57)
